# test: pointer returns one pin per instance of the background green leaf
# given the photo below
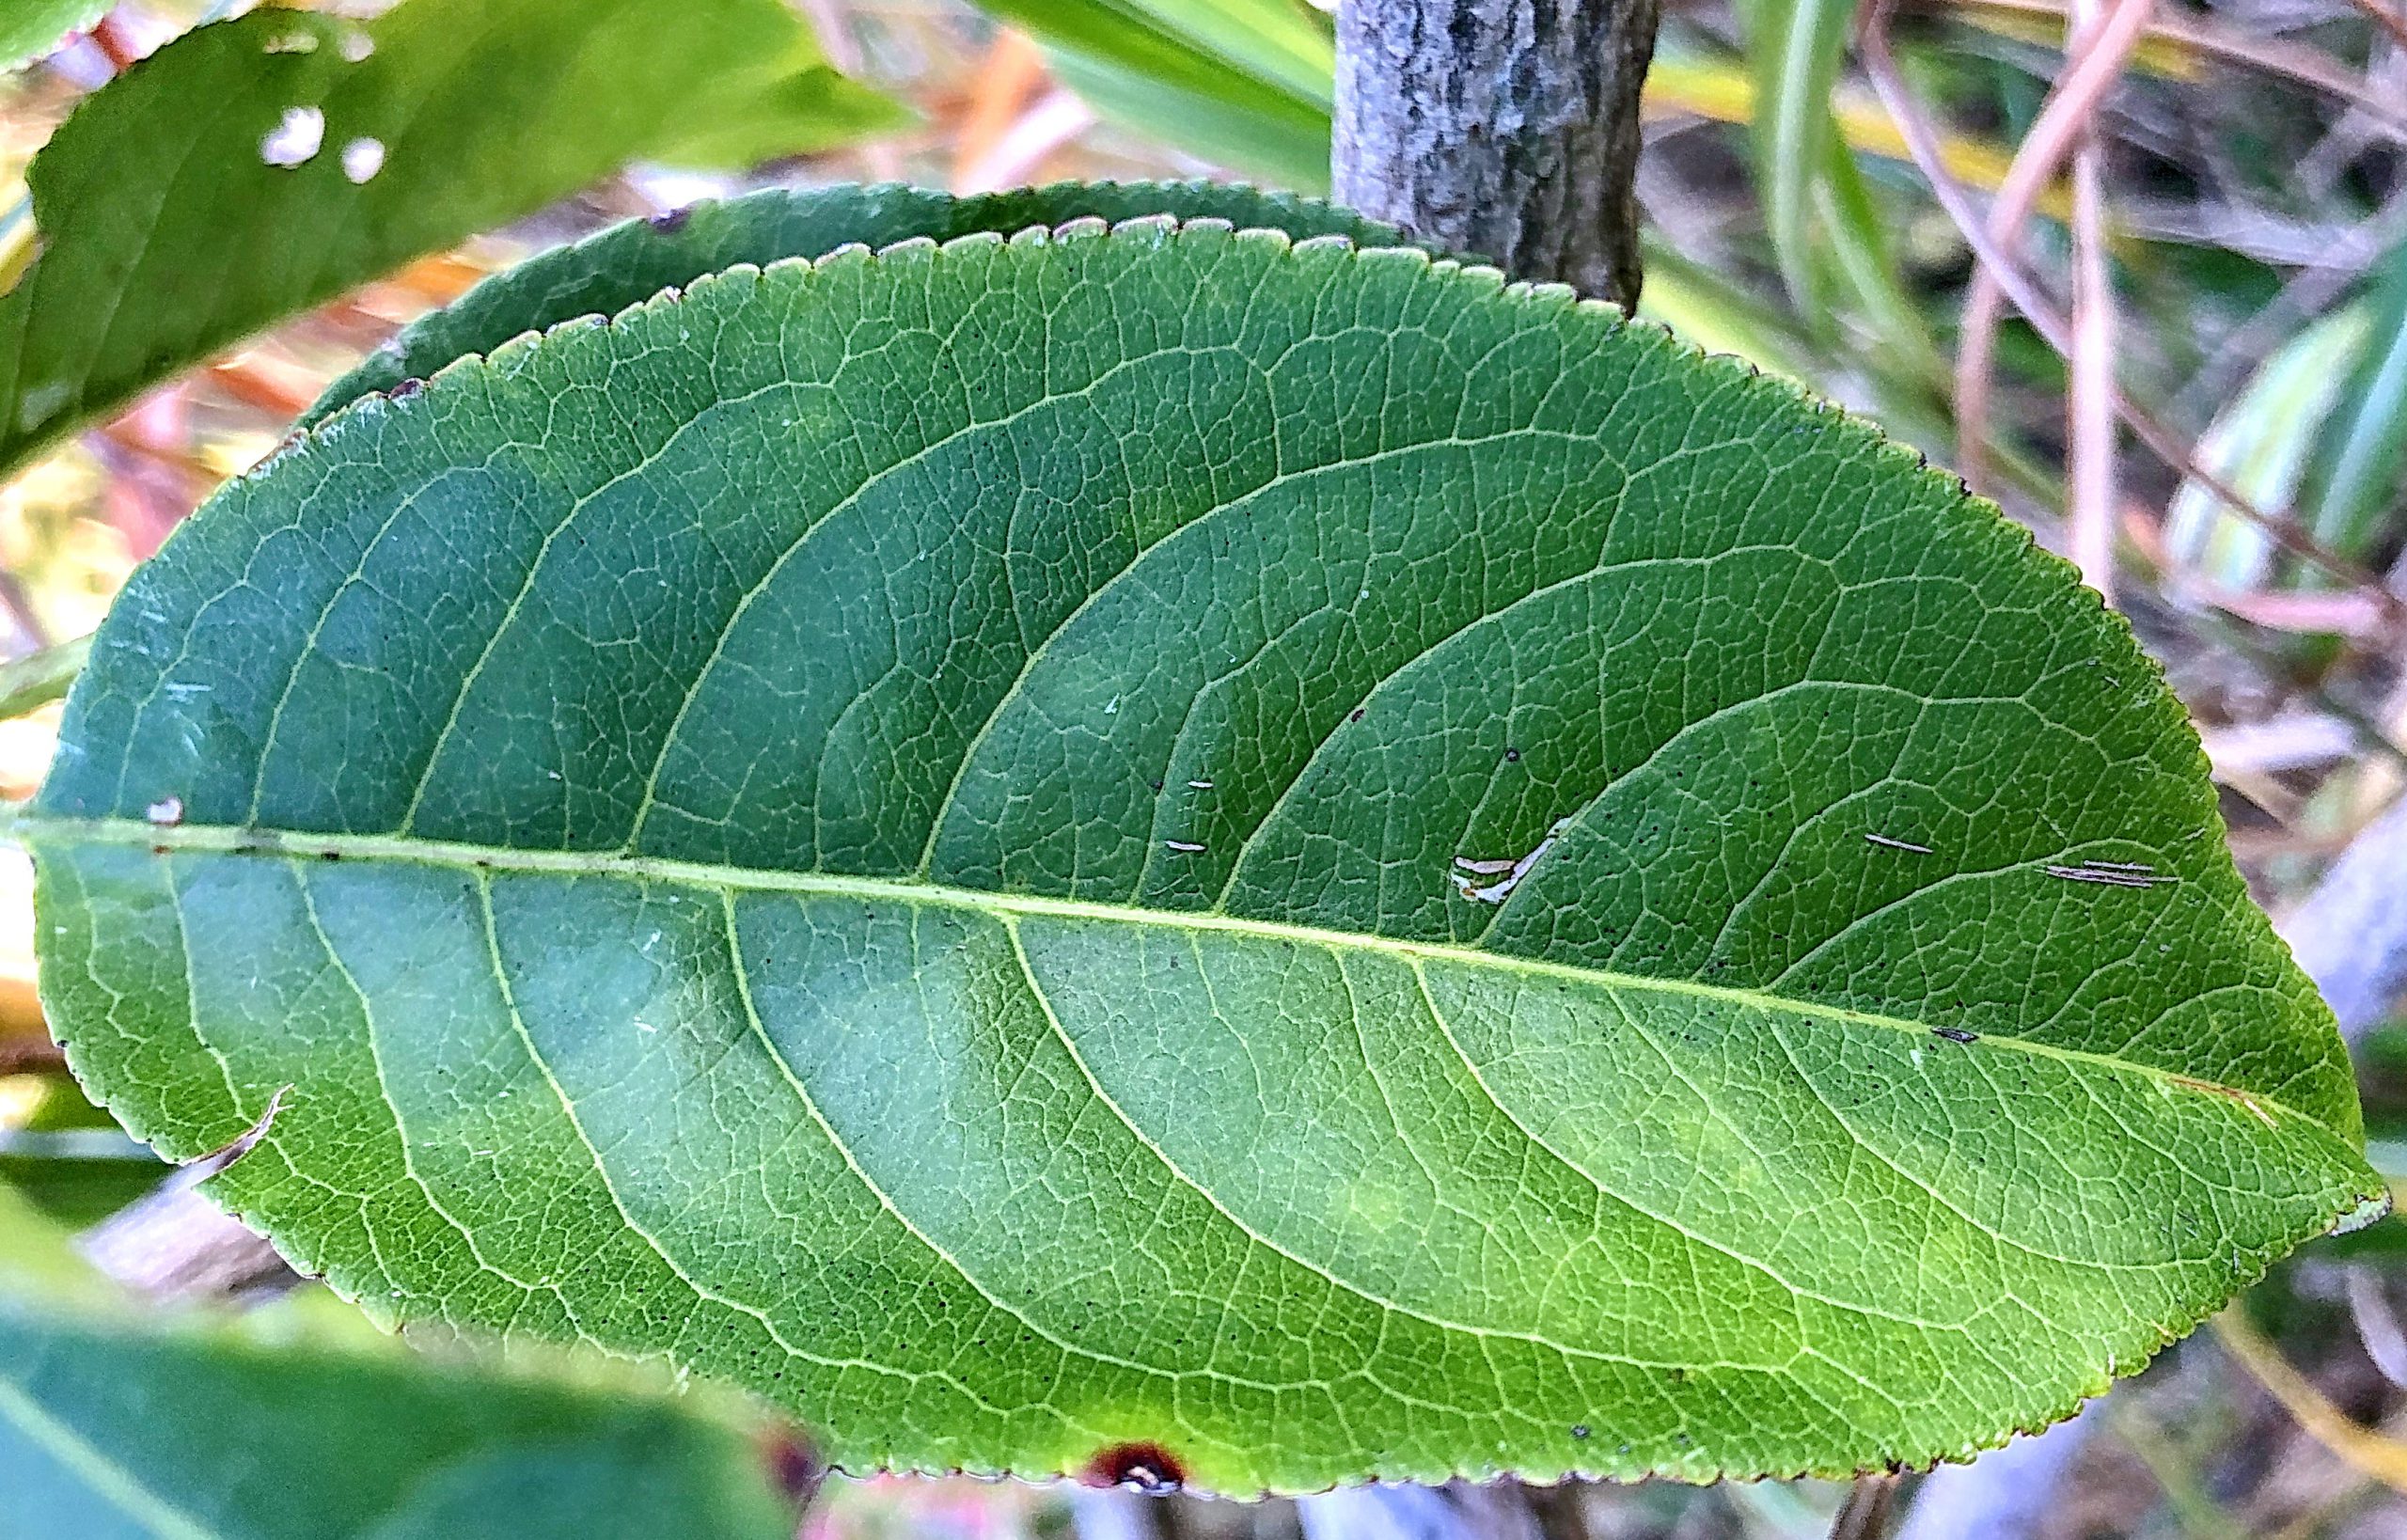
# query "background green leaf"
(1798, 46)
(2355, 478)
(70, 1160)
(168, 236)
(108, 1430)
(30, 28)
(1247, 83)
(1169, 848)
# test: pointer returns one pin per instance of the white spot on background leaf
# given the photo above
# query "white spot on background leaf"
(41, 404)
(166, 812)
(362, 159)
(295, 140)
(355, 45)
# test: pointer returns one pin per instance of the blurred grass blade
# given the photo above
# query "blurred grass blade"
(1865, 261)
(2355, 479)
(2365, 1450)
(2260, 445)
(1283, 43)
(1798, 47)
(1724, 92)
(1246, 84)
(331, 152)
(32, 681)
(31, 28)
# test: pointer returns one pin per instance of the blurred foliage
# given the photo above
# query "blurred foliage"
(2256, 156)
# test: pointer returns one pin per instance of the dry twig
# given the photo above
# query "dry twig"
(1881, 65)
(2096, 56)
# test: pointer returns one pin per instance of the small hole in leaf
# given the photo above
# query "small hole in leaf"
(362, 159)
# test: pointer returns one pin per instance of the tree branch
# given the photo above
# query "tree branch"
(1505, 128)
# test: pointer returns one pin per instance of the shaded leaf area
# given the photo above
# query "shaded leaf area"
(255, 167)
(30, 28)
(108, 1431)
(1243, 83)
(629, 263)
(1168, 838)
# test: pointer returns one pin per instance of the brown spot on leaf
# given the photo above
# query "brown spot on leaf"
(1142, 1466)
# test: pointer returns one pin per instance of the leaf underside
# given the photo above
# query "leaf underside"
(1276, 855)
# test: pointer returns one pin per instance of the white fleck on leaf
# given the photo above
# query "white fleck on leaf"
(362, 159)
(295, 140)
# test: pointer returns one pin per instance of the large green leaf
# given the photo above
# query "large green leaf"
(30, 28)
(168, 234)
(1245, 83)
(629, 263)
(1171, 849)
(108, 1431)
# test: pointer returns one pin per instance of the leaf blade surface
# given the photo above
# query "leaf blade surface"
(1264, 850)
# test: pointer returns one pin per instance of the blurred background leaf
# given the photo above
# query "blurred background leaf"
(30, 28)
(331, 151)
(288, 1425)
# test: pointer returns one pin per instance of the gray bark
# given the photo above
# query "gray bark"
(1504, 129)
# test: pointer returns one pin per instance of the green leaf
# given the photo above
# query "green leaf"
(32, 681)
(168, 235)
(31, 28)
(2260, 446)
(37, 1258)
(192, 1435)
(1798, 48)
(2359, 471)
(1247, 84)
(629, 263)
(1171, 848)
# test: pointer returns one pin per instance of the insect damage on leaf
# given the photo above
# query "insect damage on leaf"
(1141, 1467)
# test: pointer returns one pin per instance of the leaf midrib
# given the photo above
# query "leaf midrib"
(206, 838)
